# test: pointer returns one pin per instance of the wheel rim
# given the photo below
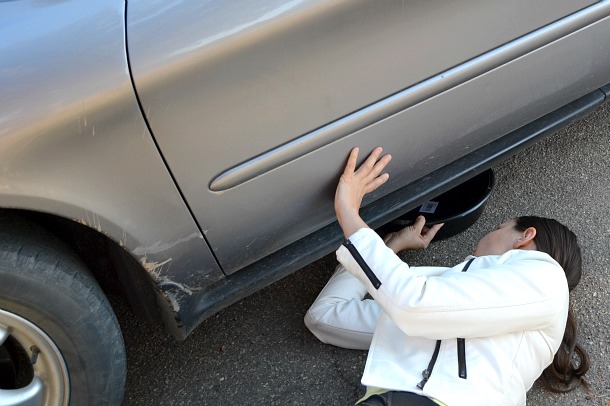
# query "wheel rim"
(49, 383)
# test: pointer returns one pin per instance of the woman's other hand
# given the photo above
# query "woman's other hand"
(354, 184)
(414, 237)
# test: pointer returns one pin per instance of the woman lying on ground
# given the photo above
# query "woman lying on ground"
(482, 332)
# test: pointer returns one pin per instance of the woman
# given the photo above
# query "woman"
(482, 332)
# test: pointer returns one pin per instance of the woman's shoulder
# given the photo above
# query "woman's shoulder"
(531, 265)
(520, 255)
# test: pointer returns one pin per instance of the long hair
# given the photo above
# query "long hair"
(571, 362)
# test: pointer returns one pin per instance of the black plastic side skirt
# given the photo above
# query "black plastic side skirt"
(237, 286)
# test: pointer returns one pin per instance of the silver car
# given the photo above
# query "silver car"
(186, 151)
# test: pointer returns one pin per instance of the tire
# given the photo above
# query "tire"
(61, 342)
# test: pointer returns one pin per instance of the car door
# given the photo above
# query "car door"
(255, 104)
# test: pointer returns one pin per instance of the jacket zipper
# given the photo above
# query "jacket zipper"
(428, 371)
(461, 348)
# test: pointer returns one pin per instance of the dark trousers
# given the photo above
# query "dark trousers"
(398, 399)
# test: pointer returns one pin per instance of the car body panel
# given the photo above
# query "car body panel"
(253, 104)
(179, 131)
(74, 143)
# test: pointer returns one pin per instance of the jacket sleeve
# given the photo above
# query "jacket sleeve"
(340, 316)
(507, 296)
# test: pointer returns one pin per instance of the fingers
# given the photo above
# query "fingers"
(373, 166)
(350, 167)
(372, 158)
(375, 183)
(426, 234)
(368, 173)
(431, 233)
(419, 224)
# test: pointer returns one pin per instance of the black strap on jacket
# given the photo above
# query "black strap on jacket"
(362, 264)
(461, 343)
(461, 348)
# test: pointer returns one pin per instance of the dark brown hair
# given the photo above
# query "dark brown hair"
(571, 362)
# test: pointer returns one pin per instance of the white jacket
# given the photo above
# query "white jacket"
(510, 309)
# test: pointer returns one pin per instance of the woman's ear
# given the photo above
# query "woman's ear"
(526, 240)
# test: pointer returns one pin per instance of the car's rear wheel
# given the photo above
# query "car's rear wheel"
(60, 342)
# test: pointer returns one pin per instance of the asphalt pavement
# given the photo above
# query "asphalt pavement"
(258, 352)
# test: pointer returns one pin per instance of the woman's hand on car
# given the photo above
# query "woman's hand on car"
(354, 184)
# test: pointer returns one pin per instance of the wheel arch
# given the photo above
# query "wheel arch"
(115, 270)
(57, 317)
